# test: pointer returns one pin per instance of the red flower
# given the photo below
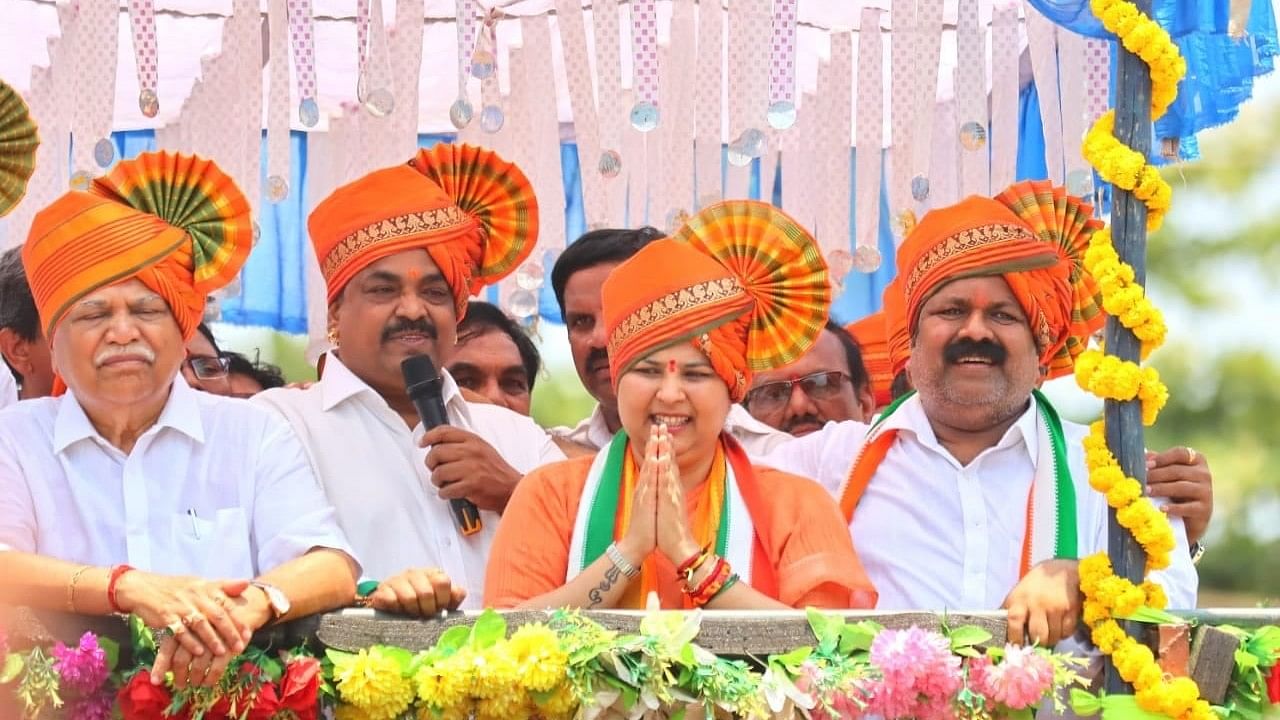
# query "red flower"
(300, 687)
(140, 700)
(265, 704)
(1273, 684)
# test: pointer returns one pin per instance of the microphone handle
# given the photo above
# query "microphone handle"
(430, 407)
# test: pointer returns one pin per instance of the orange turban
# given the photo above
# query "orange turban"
(1032, 235)
(897, 335)
(175, 222)
(474, 213)
(741, 279)
(872, 334)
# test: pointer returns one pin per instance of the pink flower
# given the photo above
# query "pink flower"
(1019, 681)
(83, 668)
(94, 707)
(919, 675)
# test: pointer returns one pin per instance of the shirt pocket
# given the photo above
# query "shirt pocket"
(216, 548)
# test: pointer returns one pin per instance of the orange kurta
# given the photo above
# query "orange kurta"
(810, 549)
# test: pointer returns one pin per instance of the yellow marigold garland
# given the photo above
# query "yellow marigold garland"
(1111, 378)
(1108, 596)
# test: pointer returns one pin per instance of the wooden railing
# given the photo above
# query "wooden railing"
(1199, 649)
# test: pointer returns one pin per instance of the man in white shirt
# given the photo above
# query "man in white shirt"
(577, 277)
(956, 497)
(400, 258)
(131, 492)
(25, 369)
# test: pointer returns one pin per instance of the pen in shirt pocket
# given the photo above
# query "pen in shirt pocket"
(195, 529)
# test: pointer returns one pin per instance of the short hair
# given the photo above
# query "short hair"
(18, 310)
(483, 316)
(852, 353)
(598, 247)
(265, 374)
(208, 335)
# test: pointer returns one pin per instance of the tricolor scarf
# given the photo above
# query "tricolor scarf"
(1051, 503)
(723, 519)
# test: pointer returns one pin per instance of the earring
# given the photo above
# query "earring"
(332, 337)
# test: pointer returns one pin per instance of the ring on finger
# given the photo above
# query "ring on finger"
(192, 618)
(177, 627)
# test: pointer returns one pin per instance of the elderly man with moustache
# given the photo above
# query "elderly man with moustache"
(127, 491)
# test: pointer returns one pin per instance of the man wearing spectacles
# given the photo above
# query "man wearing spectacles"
(828, 384)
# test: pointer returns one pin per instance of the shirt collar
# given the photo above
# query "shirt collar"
(911, 417)
(181, 412)
(340, 384)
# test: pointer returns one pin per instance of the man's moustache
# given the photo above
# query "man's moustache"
(970, 348)
(423, 328)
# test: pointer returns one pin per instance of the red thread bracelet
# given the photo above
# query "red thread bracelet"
(694, 562)
(116, 573)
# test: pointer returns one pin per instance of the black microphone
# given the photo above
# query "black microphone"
(426, 392)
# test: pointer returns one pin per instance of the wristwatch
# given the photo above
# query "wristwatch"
(276, 599)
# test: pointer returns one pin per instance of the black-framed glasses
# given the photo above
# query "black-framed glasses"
(774, 396)
(206, 367)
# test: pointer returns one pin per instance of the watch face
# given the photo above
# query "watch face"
(279, 601)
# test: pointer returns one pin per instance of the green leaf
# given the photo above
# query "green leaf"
(966, 651)
(403, 658)
(792, 660)
(339, 659)
(272, 668)
(1245, 660)
(13, 665)
(967, 636)
(858, 636)
(454, 638)
(1084, 702)
(490, 627)
(111, 649)
(629, 697)
(1152, 616)
(826, 629)
(140, 635)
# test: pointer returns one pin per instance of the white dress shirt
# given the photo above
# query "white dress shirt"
(756, 437)
(933, 534)
(376, 476)
(216, 487)
(8, 386)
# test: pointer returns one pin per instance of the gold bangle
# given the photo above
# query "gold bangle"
(71, 588)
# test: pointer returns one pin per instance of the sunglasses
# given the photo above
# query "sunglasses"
(774, 396)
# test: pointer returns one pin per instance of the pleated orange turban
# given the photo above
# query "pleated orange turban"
(897, 334)
(175, 222)
(872, 334)
(473, 212)
(740, 279)
(1034, 236)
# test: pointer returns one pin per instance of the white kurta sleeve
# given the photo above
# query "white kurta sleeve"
(17, 508)
(291, 514)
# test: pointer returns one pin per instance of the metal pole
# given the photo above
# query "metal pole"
(1129, 234)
